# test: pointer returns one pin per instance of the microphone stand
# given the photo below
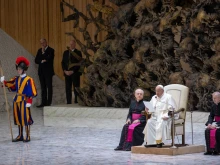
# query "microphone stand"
(173, 146)
(191, 125)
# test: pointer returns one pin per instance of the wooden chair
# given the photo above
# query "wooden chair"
(180, 95)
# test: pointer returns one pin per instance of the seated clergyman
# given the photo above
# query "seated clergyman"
(158, 127)
(212, 132)
(131, 134)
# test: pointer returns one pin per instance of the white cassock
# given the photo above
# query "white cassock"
(156, 128)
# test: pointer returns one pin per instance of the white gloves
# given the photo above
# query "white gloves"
(28, 105)
(29, 102)
(2, 79)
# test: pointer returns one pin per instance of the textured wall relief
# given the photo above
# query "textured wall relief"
(150, 42)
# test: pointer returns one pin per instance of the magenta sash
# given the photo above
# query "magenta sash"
(217, 118)
(212, 134)
(132, 127)
(135, 116)
(212, 138)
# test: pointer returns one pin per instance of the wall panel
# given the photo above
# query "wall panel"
(29, 20)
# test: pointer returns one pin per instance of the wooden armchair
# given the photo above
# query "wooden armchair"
(180, 95)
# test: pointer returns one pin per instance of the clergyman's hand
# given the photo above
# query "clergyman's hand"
(209, 126)
(213, 127)
(128, 121)
(136, 121)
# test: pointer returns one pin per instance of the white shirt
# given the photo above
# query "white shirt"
(45, 49)
(23, 75)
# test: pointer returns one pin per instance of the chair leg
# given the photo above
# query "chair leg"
(183, 136)
(183, 139)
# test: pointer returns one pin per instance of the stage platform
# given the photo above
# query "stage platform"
(106, 118)
(74, 115)
(166, 150)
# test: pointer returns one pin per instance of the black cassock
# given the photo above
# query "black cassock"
(212, 137)
(137, 136)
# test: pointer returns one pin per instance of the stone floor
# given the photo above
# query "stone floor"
(83, 146)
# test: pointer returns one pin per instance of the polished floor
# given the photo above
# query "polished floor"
(83, 146)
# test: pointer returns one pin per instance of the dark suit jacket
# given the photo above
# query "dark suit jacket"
(45, 68)
(67, 57)
(215, 111)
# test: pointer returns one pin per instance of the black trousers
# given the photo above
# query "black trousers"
(70, 81)
(46, 89)
(138, 136)
(217, 138)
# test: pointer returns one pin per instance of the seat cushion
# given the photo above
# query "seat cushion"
(179, 121)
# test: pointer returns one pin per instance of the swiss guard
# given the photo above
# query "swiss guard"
(25, 89)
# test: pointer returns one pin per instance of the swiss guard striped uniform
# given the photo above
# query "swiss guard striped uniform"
(25, 89)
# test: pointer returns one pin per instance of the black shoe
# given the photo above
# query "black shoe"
(127, 149)
(27, 140)
(40, 106)
(75, 101)
(48, 104)
(207, 153)
(215, 153)
(118, 148)
(18, 139)
(159, 145)
(146, 145)
(151, 145)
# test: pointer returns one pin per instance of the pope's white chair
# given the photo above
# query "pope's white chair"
(180, 94)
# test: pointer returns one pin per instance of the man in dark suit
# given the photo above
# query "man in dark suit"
(45, 58)
(71, 68)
